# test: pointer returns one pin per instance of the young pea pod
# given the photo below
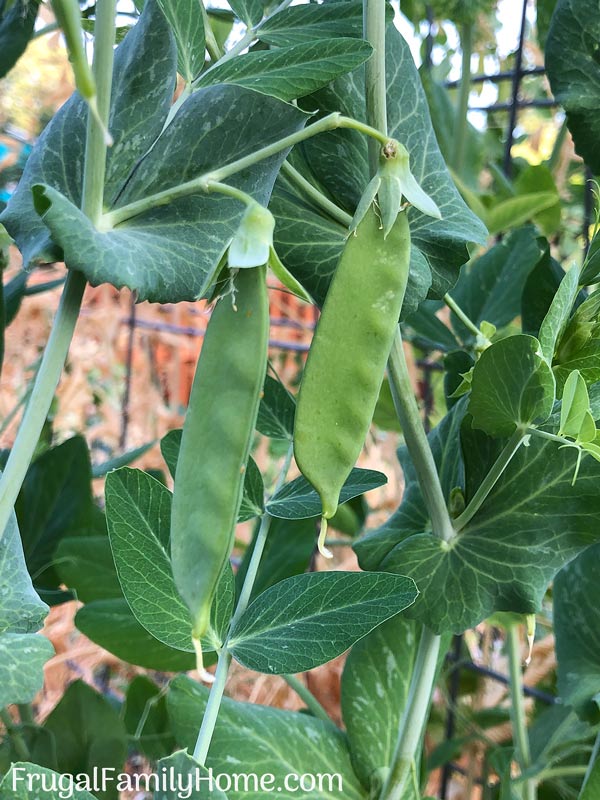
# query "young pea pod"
(216, 440)
(347, 359)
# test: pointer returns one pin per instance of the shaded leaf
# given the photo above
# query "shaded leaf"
(14, 785)
(146, 718)
(111, 624)
(185, 766)
(574, 72)
(22, 659)
(312, 22)
(86, 565)
(576, 611)
(276, 411)
(89, 734)
(17, 20)
(517, 210)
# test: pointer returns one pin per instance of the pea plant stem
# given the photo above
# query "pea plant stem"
(217, 689)
(212, 46)
(375, 81)
(305, 694)
(464, 318)
(416, 441)
(490, 480)
(413, 721)
(519, 719)
(315, 195)
(203, 182)
(249, 36)
(57, 348)
(460, 128)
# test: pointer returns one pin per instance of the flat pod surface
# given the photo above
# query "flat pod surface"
(348, 356)
(216, 440)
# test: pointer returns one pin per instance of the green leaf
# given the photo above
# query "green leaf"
(556, 319)
(490, 288)
(138, 515)
(429, 329)
(264, 740)
(276, 411)
(55, 501)
(339, 163)
(529, 527)
(310, 23)
(291, 72)
(289, 547)
(579, 346)
(307, 620)
(21, 772)
(378, 666)
(22, 659)
(146, 719)
(86, 565)
(592, 786)
(182, 764)
(185, 19)
(298, 500)
(89, 734)
(17, 20)
(576, 610)
(574, 72)
(202, 136)
(139, 109)
(575, 406)
(517, 210)
(512, 386)
(253, 498)
(21, 610)
(249, 11)
(111, 624)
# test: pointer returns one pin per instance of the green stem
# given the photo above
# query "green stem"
(416, 441)
(519, 719)
(218, 688)
(20, 745)
(248, 37)
(414, 719)
(63, 327)
(307, 696)
(490, 480)
(466, 321)
(317, 197)
(551, 437)
(230, 191)
(590, 766)
(460, 128)
(201, 183)
(375, 79)
(561, 135)
(214, 51)
(25, 713)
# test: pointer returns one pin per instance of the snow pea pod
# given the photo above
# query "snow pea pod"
(215, 442)
(347, 359)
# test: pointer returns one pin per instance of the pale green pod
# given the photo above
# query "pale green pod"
(215, 444)
(347, 360)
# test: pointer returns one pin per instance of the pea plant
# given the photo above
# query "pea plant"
(184, 169)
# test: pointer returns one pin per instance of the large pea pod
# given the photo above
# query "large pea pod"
(347, 359)
(215, 444)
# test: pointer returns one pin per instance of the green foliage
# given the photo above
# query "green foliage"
(574, 72)
(17, 20)
(310, 619)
